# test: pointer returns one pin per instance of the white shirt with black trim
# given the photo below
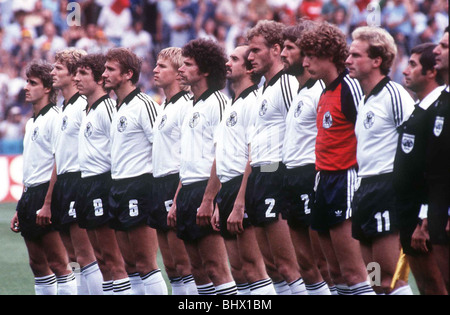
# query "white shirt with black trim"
(38, 143)
(167, 135)
(94, 148)
(231, 136)
(197, 136)
(379, 115)
(268, 132)
(68, 127)
(132, 136)
(301, 126)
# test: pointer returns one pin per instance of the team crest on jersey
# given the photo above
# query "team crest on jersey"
(370, 119)
(327, 120)
(163, 122)
(438, 126)
(35, 134)
(263, 109)
(298, 110)
(122, 125)
(408, 143)
(88, 130)
(232, 120)
(65, 122)
(194, 120)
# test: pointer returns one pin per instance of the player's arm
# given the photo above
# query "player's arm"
(172, 215)
(44, 214)
(236, 217)
(206, 209)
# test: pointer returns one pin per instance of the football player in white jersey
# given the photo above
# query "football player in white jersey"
(264, 194)
(48, 256)
(93, 211)
(246, 260)
(68, 172)
(166, 168)
(131, 170)
(204, 71)
(299, 158)
(384, 108)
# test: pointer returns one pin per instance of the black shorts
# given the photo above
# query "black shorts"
(438, 210)
(333, 198)
(264, 197)
(92, 202)
(298, 187)
(164, 189)
(130, 201)
(31, 201)
(374, 208)
(63, 200)
(189, 200)
(225, 201)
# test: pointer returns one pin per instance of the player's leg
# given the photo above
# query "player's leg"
(322, 263)
(236, 266)
(427, 274)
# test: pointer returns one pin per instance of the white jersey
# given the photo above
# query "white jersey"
(231, 136)
(197, 136)
(301, 126)
(94, 148)
(68, 127)
(40, 136)
(132, 136)
(267, 134)
(379, 115)
(167, 135)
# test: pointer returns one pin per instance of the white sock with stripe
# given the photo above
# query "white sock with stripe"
(45, 285)
(67, 284)
(154, 283)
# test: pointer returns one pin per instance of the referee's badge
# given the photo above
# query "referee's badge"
(232, 120)
(65, 122)
(327, 120)
(407, 143)
(438, 126)
(35, 134)
(88, 130)
(122, 125)
(263, 109)
(370, 119)
(163, 122)
(298, 110)
(194, 120)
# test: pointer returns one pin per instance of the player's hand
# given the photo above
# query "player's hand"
(204, 213)
(420, 237)
(172, 216)
(15, 224)
(215, 220)
(43, 216)
(235, 219)
(447, 228)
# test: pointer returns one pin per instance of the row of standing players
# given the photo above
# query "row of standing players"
(311, 174)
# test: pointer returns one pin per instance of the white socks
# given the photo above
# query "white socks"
(93, 277)
(320, 288)
(45, 285)
(154, 283)
(67, 284)
(298, 287)
(262, 287)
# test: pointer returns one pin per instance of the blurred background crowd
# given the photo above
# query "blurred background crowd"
(31, 29)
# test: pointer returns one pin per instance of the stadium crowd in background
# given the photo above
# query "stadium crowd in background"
(38, 28)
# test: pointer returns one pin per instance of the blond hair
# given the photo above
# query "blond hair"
(173, 55)
(381, 44)
(70, 57)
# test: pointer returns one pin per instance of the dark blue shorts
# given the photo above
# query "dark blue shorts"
(92, 203)
(31, 201)
(63, 200)
(164, 189)
(130, 201)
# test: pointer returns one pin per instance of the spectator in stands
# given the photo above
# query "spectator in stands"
(12, 131)
(115, 19)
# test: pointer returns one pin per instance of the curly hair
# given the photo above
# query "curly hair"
(95, 62)
(271, 31)
(42, 70)
(210, 58)
(326, 41)
(381, 44)
(127, 60)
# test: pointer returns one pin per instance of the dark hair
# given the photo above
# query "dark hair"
(427, 59)
(42, 70)
(127, 60)
(326, 41)
(210, 58)
(294, 33)
(95, 62)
